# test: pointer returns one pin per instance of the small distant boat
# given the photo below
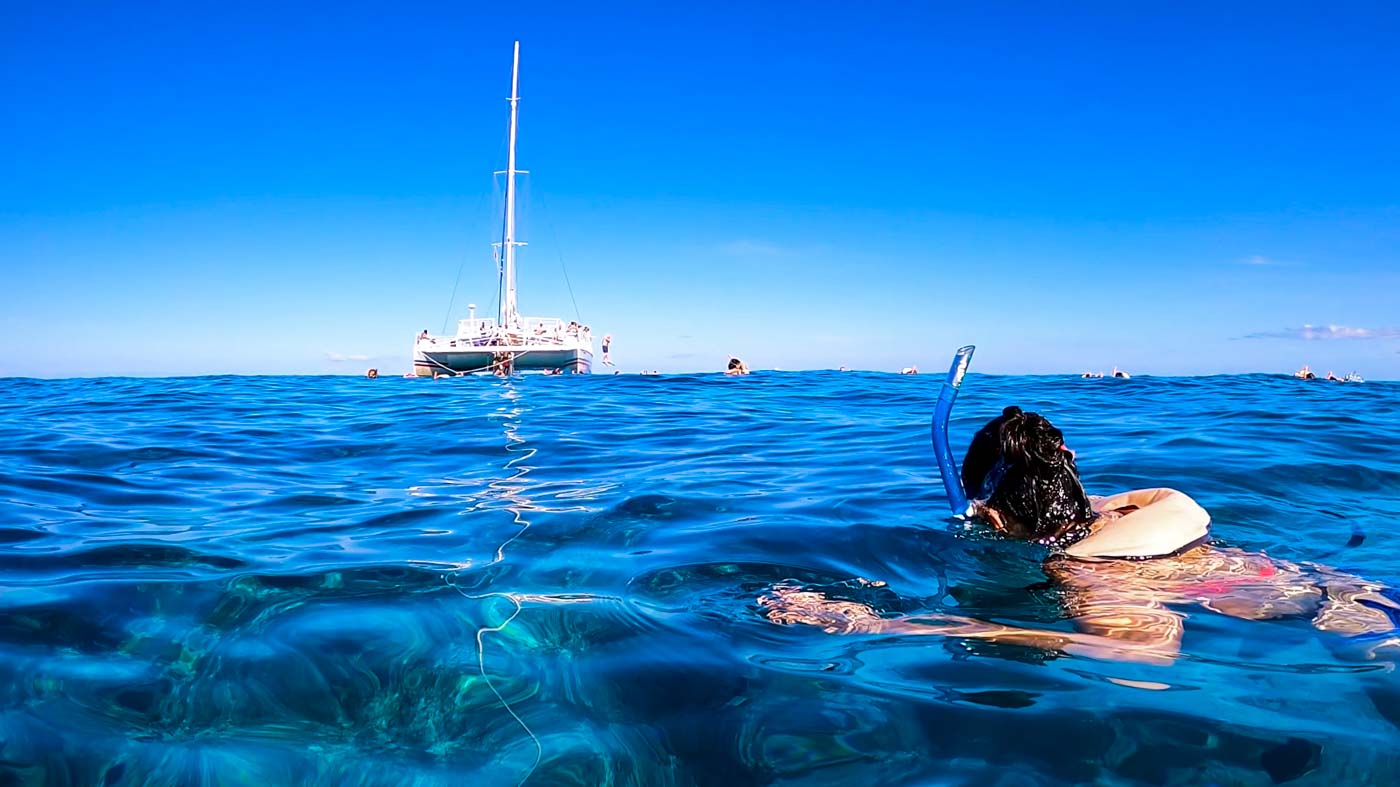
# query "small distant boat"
(509, 342)
(1354, 378)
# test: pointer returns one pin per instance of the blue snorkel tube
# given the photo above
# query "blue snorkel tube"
(947, 467)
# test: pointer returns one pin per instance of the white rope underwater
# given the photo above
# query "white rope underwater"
(500, 627)
(481, 665)
(481, 653)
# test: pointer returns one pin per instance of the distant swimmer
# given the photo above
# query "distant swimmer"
(1092, 375)
(372, 374)
(607, 347)
(1305, 373)
(1120, 374)
(736, 366)
(909, 370)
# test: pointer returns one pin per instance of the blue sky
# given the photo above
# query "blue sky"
(288, 188)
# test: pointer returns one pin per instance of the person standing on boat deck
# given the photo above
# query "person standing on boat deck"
(607, 345)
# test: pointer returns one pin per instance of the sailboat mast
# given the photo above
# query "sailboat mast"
(510, 314)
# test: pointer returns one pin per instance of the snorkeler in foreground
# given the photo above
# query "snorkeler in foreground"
(1126, 561)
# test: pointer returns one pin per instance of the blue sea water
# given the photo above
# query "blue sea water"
(312, 580)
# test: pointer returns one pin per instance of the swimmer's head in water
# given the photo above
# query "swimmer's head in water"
(1032, 482)
(983, 453)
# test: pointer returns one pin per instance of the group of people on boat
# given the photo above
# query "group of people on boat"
(488, 333)
(555, 331)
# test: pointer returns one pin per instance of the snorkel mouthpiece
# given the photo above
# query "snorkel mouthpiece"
(947, 467)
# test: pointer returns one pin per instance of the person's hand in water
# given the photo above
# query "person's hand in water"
(787, 604)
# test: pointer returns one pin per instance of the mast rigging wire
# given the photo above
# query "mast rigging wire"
(477, 210)
(559, 250)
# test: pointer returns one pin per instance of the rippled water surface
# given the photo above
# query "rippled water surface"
(473, 581)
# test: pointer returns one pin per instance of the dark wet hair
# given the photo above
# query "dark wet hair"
(734, 363)
(982, 455)
(1033, 482)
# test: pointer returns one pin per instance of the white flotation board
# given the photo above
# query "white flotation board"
(1166, 521)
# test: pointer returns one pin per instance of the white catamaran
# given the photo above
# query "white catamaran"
(510, 342)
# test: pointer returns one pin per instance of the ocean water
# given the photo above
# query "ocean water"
(313, 580)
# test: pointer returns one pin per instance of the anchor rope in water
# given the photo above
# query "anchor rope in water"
(481, 665)
(500, 627)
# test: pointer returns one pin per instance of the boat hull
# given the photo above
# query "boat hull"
(481, 360)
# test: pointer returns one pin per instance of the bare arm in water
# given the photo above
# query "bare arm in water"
(1123, 609)
(1146, 632)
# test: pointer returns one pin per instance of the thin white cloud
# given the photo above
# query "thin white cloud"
(752, 248)
(341, 357)
(1315, 332)
(1260, 261)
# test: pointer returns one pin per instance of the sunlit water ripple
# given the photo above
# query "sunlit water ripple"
(299, 580)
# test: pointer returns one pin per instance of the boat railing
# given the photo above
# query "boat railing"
(474, 327)
(486, 332)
